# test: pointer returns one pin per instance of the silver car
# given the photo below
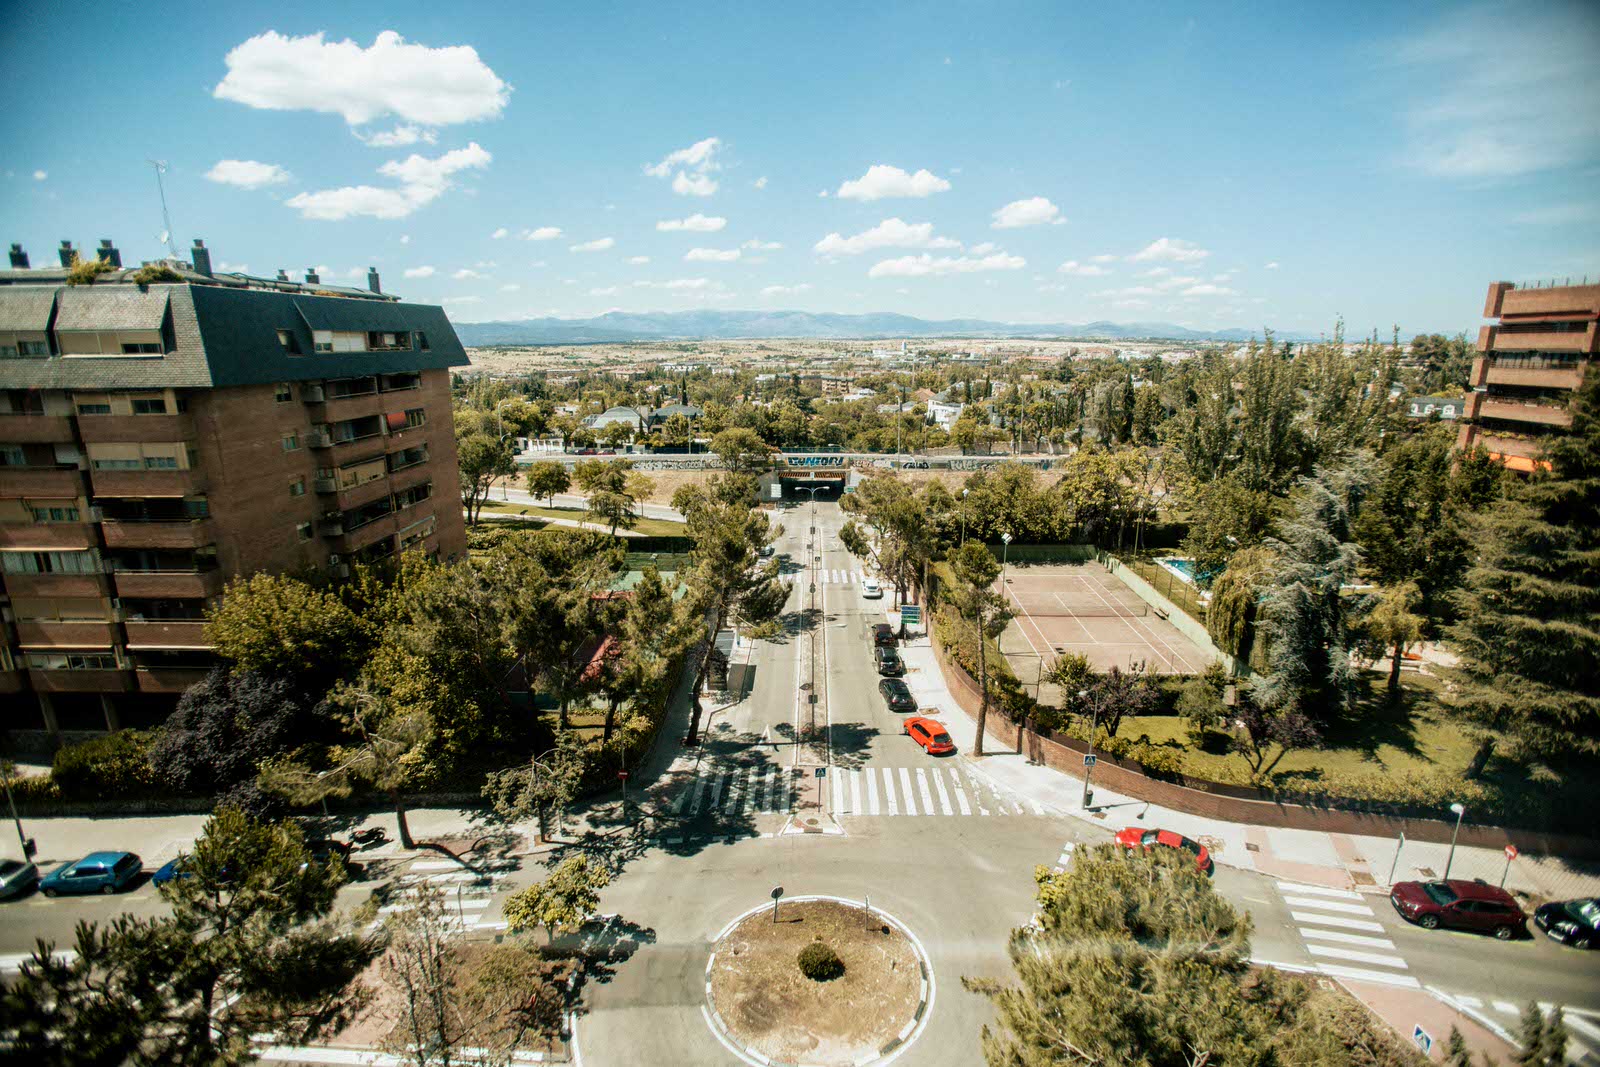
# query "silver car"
(17, 877)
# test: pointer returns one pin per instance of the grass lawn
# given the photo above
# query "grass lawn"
(648, 527)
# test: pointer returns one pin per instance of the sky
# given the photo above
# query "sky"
(1282, 166)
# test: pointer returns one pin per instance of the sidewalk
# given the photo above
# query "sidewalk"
(1339, 861)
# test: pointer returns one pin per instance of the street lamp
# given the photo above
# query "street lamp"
(1460, 810)
(1088, 761)
(1005, 546)
(964, 493)
(28, 847)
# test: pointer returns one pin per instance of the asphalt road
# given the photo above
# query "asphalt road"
(961, 881)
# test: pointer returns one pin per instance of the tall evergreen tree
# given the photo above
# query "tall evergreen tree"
(1529, 631)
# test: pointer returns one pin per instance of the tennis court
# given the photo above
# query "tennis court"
(1079, 607)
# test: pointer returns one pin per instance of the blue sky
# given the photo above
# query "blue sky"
(1276, 165)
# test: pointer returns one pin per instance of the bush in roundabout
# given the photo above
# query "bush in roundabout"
(820, 963)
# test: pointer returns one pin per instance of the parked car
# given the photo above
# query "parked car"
(1459, 904)
(888, 662)
(931, 735)
(1140, 837)
(883, 635)
(173, 868)
(98, 872)
(871, 589)
(17, 877)
(1571, 922)
(897, 695)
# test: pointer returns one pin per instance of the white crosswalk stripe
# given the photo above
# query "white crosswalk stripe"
(1346, 939)
(943, 789)
(1329, 905)
(1336, 920)
(1583, 1029)
(906, 798)
(1377, 959)
(1324, 915)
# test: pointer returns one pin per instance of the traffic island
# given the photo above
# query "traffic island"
(765, 1009)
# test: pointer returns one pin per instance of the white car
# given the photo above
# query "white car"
(871, 589)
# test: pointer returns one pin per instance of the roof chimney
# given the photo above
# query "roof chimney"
(311, 276)
(372, 280)
(283, 275)
(201, 256)
(68, 254)
(108, 253)
(19, 258)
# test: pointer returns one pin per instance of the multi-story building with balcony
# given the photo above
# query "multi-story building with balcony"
(157, 440)
(1528, 366)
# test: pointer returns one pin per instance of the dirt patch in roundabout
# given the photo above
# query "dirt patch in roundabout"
(767, 1010)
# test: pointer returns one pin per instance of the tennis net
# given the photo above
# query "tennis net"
(1051, 605)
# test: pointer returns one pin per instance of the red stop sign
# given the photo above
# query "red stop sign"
(1511, 852)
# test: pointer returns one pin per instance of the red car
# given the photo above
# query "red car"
(1139, 837)
(931, 735)
(1463, 905)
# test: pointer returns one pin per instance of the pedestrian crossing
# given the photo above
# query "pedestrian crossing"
(467, 895)
(1583, 1028)
(941, 789)
(825, 576)
(765, 788)
(1343, 935)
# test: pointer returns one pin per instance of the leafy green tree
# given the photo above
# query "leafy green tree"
(1528, 639)
(567, 897)
(1446, 361)
(224, 728)
(547, 479)
(1270, 444)
(676, 429)
(1391, 627)
(651, 635)
(1119, 694)
(545, 785)
(1207, 433)
(727, 578)
(281, 627)
(1235, 599)
(1224, 517)
(975, 572)
(1542, 1038)
(481, 457)
(245, 951)
(741, 450)
(1346, 395)
(891, 536)
(617, 434)
(964, 433)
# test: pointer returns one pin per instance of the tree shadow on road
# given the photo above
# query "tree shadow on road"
(849, 743)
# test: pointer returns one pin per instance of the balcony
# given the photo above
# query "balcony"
(1539, 373)
(35, 429)
(319, 439)
(311, 394)
(136, 427)
(46, 535)
(57, 585)
(1556, 300)
(356, 406)
(165, 585)
(168, 679)
(1517, 411)
(191, 534)
(155, 634)
(80, 681)
(1498, 339)
(352, 540)
(55, 483)
(148, 483)
(1509, 446)
(38, 634)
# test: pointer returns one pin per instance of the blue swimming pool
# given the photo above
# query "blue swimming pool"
(1182, 566)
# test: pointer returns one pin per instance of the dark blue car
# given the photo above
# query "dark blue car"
(98, 872)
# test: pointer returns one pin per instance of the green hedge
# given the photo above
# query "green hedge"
(117, 765)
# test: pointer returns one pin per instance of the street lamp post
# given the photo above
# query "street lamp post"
(1088, 762)
(27, 846)
(964, 493)
(1460, 810)
(1005, 547)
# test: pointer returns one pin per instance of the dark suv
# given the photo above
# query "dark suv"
(897, 695)
(889, 664)
(883, 635)
(1459, 904)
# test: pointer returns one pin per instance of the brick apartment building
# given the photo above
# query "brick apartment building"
(159, 439)
(1529, 364)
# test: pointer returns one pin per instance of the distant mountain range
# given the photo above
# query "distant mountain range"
(622, 326)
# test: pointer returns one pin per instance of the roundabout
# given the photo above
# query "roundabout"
(765, 1010)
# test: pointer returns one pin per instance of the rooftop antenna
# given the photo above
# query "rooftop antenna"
(166, 220)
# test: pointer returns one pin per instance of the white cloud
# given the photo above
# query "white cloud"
(1132, 290)
(233, 268)
(40, 175)
(693, 184)
(1155, 272)
(422, 180)
(638, 261)
(405, 238)
(890, 233)
(1478, 70)
(1106, 258)
(700, 156)
(511, 287)
(1054, 287)
(823, 195)
(1170, 249)
(695, 223)
(609, 290)
(543, 233)
(462, 300)
(1035, 211)
(1556, 215)
(423, 271)
(984, 248)
(711, 255)
(538, 263)
(464, 274)
(398, 137)
(418, 84)
(918, 266)
(882, 182)
(761, 182)
(1271, 266)
(762, 246)
(598, 245)
(681, 284)
(498, 234)
(1086, 270)
(246, 173)
(786, 290)
(1208, 289)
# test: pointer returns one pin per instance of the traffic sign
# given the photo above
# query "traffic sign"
(1511, 852)
(777, 891)
(822, 772)
(1423, 1039)
(910, 614)
(1089, 760)
(623, 775)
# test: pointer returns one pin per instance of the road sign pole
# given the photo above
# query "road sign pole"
(1396, 862)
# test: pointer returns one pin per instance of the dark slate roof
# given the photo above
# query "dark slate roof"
(112, 307)
(223, 336)
(669, 410)
(26, 307)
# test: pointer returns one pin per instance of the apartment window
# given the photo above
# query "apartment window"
(415, 417)
(297, 487)
(140, 348)
(116, 463)
(13, 456)
(291, 442)
(422, 341)
(283, 394)
(161, 463)
(322, 340)
(49, 563)
(94, 407)
(289, 342)
(154, 405)
(72, 661)
(32, 348)
(68, 513)
(304, 530)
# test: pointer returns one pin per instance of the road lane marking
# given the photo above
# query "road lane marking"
(1317, 891)
(1328, 905)
(700, 787)
(716, 791)
(888, 791)
(944, 796)
(961, 794)
(1348, 939)
(1357, 956)
(734, 801)
(1335, 920)
(872, 791)
(855, 791)
(905, 791)
(926, 794)
(838, 790)
(1359, 974)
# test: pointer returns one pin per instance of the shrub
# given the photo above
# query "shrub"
(155, 272)
(820, 963)
(85, 271)
(117, 765)
(34, 787)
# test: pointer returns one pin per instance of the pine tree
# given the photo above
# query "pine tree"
(1529, 631)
